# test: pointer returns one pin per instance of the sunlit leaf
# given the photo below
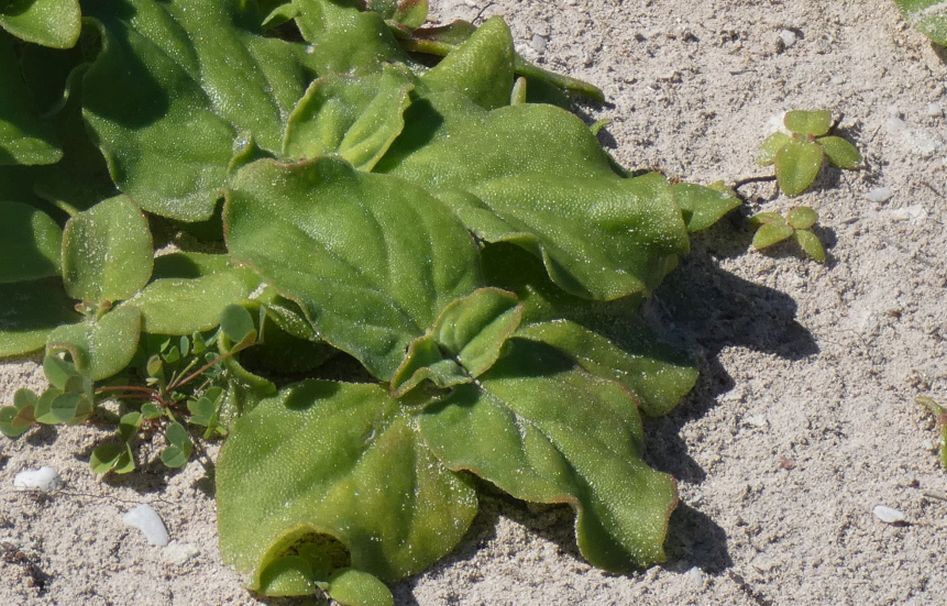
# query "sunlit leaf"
(797, 165)
(54, 23)
(109, 342)
(808, 122)
(840, 152)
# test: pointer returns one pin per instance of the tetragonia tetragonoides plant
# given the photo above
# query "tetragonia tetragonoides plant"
(452, 229)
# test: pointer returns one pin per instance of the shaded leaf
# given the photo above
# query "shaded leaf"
(24, 137)
(237, 324)
(30, 244)
(370, 483)
(112, 457)
(305, 228)
(106, 252)
(797, 165)
(30, 310)
(840, 152)
(544, 431)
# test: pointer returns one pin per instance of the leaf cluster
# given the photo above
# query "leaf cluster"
(413, 202)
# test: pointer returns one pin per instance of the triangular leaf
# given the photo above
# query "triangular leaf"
(811, 245)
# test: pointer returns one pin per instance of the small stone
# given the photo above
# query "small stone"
(879, 195)
(915, 212)
(44, 479)
(146, 519)
(889, 515)
(538, 43)
(788, 37)
(757, 421)
(179, 553)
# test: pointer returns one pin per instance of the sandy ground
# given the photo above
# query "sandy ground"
(804, 418)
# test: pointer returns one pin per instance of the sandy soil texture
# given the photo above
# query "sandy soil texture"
(804, 418)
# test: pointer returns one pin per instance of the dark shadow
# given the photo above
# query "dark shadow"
(41, 435)
(940, 51)
(694, 538)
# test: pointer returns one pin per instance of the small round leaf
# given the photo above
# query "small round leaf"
(797, 165)
(350, 587)
(771, 233)
(840, 152)
(815, 123)
(771, 145)
(802, 217)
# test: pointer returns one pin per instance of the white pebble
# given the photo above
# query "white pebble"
(788, 37)
(889, 515)
(145, 519)
(915, 212)
(178, 553)
(879, 194)
(538, 43)
(44, 479)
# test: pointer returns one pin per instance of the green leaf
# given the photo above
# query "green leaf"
(150, 411)
(345, 39)
(237, 324)
(810, 245)
(179, 448)
(703, 206)
(69, 408)
(109, 342)
(927, 16)
(601, 236)
(24, 137)
(411, 13)
(767, 217)
(480, 68)
(545, 431)
(771, 233)
(797, 165)
(305, 228)
(112, 458)
(58, 370)
(180, 306)
(770, 147)
(802, 217)
(812, 123)
(17, 419)
(129, 424)
(29, 244)
(106, 252)
(29, 312)
(356, 118)
(370, 483)
(840, 152)
(54, 23)
(352, 587)
(463, 343)
(177, 88)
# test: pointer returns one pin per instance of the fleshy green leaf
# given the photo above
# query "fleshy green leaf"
(810, 245)
(544, 431)
(106, 252)
(771, 145)
(369, 258)
(480, 68)
(237, 324)
(813, 123)
(411, 13)
(29, 244)
(178, 88)
(17, 419)
(182, 306)
(352, 587)
(24, 137)
(345, 39)
(112, 457)
(370, 483)
(30, 310)
(928, 16)
(802, 217)
(840, 152)
(109, 342)
(797, 165)
(464, 342)
(54, 23)
(600, 235)
(770, 234)
(703, 206)
(356, 118)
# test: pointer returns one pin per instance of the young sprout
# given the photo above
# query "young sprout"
(799, 155)
(798, 223)
(940, 413)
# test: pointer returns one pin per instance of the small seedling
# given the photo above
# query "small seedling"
(799, 155)
(940, 413)
(798, 223)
